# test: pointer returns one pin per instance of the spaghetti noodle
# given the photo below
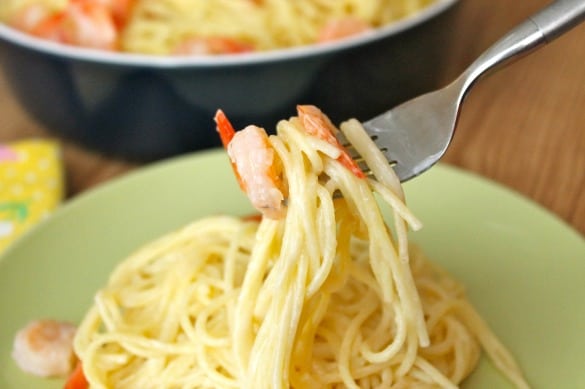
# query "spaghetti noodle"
(325, 297)
(164, 27)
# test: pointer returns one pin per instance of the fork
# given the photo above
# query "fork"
(414, 135)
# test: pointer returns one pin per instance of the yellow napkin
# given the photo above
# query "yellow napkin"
(31, 185)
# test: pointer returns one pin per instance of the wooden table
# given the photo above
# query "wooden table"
(523, 127)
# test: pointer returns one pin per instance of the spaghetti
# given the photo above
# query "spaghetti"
(163, 27)
(327, 296)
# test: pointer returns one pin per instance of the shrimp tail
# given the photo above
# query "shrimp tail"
(225, 128)
(77, 379)
(226, 134)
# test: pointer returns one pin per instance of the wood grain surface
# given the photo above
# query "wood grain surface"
(523, 126)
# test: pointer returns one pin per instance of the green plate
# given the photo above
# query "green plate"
(524, 269)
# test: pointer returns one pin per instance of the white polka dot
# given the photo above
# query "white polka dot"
(17, 189)
(44, 164)
(10, 172)
(52, 183)
(23, 155)
(37, 195)
(30, 177)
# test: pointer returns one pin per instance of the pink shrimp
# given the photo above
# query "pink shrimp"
(27, 18)
(119, 9)
(316, 123)
(38, 20)
(89, 24)
(81, 23)
(45, 348)
(212, 45)
(342, 28)
(256, 166)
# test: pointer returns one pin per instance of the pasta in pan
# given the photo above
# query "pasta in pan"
(320, 293)
(203, 26)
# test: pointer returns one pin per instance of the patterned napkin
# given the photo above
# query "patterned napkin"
(31, 185)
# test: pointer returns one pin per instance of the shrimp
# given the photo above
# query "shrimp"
(119, 9)
(45, 348)
(255, 165)
(342, 28)
(29, 17)
(212, 46)
(89, 24)
(40, 21)
(316, 123)
(80, 23)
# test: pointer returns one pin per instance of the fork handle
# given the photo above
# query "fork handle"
(559, 17)
(543, 27)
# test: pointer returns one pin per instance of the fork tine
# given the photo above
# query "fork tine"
(353, 153)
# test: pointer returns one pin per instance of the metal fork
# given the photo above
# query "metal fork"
(415, 135)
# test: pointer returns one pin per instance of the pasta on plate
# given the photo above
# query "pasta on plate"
(320, 292)
(164, 27)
